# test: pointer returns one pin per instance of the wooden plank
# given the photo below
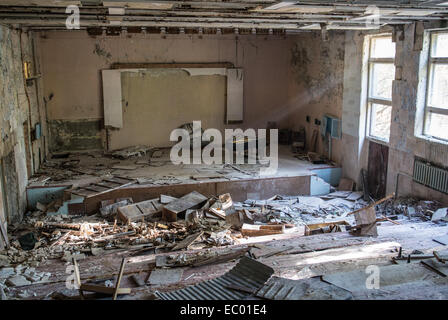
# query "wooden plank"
(184, 244)
(164, 199)
(78, 278)
(171, 210)
(129, 213)
(118, 180)
(346, 184)
(139, 210)
(365, 217)
(378, 156)
(437, 266)
(254, 230)
(218, 213)
(120, 275)
(96, 188)
(103, 289)
(222, 258)
(147, 207)
(441, 256)
(82, 192)
(109, 185)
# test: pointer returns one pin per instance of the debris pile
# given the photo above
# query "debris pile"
(193, 221)
(414, 209)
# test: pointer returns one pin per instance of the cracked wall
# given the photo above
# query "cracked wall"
(407, 96)
(20, 152)
(317, 87)
(405, 141)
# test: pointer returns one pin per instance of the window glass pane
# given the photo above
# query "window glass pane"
(382, 75)
(382, 48)
(380, 121)
(439, 45)
(438, 87)
(436, 125)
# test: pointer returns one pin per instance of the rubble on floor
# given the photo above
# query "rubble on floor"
(170, 224)
(135, 151)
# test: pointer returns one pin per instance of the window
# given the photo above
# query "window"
(379, 96)
(436, 110)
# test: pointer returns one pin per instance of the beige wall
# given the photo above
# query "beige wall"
(278, 84)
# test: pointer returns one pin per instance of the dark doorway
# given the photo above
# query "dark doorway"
(377, 169)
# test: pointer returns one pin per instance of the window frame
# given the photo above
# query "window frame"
(431, 63)
(371, 99)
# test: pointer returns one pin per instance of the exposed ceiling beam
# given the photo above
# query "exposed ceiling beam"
(208, 13)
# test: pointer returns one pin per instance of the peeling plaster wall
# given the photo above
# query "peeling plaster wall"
(18, 109)
(404, 145)
(354, 145)
(276, 88)
(405, 142)
(317, 86)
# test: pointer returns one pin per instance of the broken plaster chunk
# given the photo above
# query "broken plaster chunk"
(33, 278)
(6, 272)
(19, 269)
(29, 271)
(439, 214)
(96, 251)
(4, 261)
(17, 281)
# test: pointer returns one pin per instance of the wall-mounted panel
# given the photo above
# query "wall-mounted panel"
(113, 112)
(156, 101)
(235, 96)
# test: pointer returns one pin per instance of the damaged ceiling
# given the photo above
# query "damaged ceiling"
(199, 16)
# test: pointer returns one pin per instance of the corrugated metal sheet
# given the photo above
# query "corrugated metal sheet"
(303, 289)
(248, 273)
(430, 176)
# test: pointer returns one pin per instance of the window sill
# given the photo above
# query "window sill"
(379, 141)
(432, 140)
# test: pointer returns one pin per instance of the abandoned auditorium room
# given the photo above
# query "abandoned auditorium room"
(252, 150)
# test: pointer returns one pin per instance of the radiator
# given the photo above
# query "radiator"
(430, 175)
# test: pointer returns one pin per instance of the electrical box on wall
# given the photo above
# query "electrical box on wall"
(331, 125)
(36, 133)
